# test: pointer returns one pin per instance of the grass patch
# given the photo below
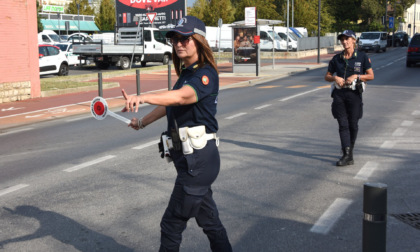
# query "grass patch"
(75, 81)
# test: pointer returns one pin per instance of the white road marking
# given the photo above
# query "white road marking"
(415, 112)
(146, 145)
(407, 123)
(366, 171)
(324, 224)
(12, 189)
(387, 145)
(296, 95)
(263, 106)
(234, 116)
(15, 131)
(10, 109)
(399, 132)
(84, 165)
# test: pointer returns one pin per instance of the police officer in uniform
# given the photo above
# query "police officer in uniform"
(352, 69)
(190, 108)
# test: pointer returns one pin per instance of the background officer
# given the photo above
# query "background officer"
(347, 107)
(192, 103)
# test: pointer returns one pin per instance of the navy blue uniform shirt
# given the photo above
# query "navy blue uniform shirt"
(357, 64)
(205, 82)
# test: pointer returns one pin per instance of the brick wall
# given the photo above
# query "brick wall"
(19, 66)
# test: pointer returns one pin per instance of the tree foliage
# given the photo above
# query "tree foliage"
(105, 19)
(40, 26)
(266, 9)
(84, 8)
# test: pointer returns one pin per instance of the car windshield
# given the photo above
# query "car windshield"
(369, 36)
(63, 47)
(54, 37)
(275, 35)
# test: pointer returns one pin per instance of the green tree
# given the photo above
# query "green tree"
(266, 9)
(105, 20)
(84, 8)
(199, 9)
(40, 26)
(219, 9)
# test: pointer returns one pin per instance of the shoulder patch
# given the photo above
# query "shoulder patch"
(205, 80)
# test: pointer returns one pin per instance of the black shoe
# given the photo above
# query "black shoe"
(347, 158)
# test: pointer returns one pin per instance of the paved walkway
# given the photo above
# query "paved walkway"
(14, 114)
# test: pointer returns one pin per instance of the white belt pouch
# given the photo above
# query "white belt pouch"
(194, 138)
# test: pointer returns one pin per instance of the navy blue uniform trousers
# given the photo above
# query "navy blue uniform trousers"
(192, 197)
(347, 108)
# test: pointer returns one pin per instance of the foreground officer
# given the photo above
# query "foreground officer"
(191, 137)
(352, 69)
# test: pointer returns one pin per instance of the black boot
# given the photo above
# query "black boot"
(347, 158)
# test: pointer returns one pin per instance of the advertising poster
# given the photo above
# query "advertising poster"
(168, 12)
(244, 49)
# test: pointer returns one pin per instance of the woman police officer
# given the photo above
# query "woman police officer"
(350, 66)
(190, 109)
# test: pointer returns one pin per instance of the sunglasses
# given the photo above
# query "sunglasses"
(183, 40)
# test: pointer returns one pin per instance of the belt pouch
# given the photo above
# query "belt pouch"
(185, 141)
(197, 136)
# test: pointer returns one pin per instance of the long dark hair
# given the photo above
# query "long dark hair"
(205, 54)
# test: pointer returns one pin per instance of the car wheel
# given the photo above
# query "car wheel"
(408, 63)
(165, 59)
(64, 70)
(384, 49)
(125, 63)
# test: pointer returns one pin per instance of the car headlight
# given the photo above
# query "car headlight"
(376, 42)
(360, 43)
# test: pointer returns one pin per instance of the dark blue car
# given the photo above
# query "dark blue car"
(413, 52)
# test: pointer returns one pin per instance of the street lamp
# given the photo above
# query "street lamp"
(78, 16)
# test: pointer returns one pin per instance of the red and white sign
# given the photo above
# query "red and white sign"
(151, 16)
(99, 109)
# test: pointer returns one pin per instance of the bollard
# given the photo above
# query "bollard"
(100, 93)
(169, 77)
(138, 81)
(374, 220)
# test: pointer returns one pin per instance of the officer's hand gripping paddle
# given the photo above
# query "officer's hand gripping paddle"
(99, 109)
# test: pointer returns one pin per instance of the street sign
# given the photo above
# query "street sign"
(151, 16)
(391, 22)
(52, 8)
(250, 16)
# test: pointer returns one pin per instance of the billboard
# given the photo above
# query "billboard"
(244, 47)
(168, 12)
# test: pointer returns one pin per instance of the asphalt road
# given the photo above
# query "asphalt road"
(77, 184)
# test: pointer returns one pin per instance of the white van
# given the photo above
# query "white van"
(48, 37)
(267, 36)
(282, 32)
(225, 42)
(375, 41)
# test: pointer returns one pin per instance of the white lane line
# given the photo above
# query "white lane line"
(234, 116)
(387, 145)
(15, 131)
(12, 189)
(407, 123)
(416, 112)
(331, 216)
(366, 171)
(146, 145)
(296, 95)
(399, 132)
(84, 165)
(263, 106)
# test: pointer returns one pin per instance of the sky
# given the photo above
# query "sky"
(190, 3)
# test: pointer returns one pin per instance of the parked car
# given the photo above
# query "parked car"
(52, 61)
(375, 41)
(400, 39)
(413, 51)
(79, 37)
(72, 58)
(48, 37)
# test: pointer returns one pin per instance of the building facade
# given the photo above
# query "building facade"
(19, 71)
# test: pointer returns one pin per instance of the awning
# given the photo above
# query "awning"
(48, 25)
(54, 24)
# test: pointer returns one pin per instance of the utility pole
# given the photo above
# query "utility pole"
(319, 31)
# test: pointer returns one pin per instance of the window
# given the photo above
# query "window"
(147, 36)
(159, 37)
(52, 51)
(45, 38)
(43, 50)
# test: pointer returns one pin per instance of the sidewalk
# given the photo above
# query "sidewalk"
(20, 113)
